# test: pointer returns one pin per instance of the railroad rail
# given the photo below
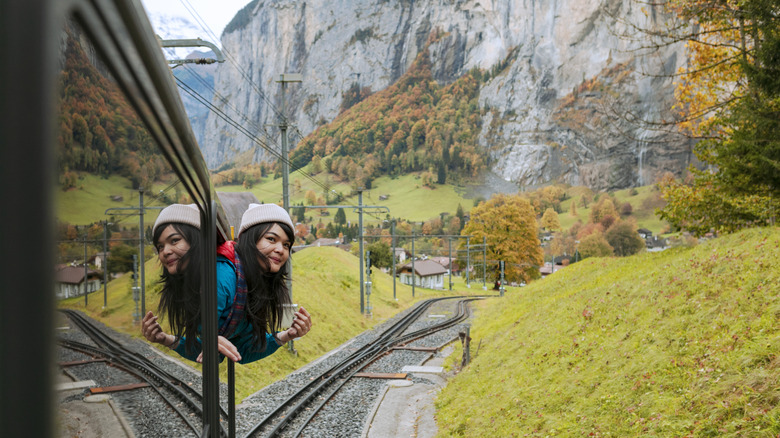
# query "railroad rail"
(297, 411)
(170, 389)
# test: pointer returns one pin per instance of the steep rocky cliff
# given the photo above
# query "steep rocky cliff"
(568, 77)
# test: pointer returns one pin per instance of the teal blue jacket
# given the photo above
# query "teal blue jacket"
(242, 337)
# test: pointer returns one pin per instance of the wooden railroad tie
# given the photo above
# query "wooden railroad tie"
(381, 375)
(429, 349)
(81, 362)
(107, 389)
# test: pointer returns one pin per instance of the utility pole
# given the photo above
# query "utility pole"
(368, 283)
(140, 210)
(86, 275)
(449, 245)
(136, 315)
(141, 246)
(468, 260)
(360, 247)
(105, 264)
(284, 78)
(392, 234)
(501, 285)
(413, 271)
(484, 262)
(210, 413)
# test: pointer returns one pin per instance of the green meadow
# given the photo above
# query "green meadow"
(406, 198)
(683, 342)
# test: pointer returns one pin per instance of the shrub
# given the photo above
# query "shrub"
(624, 239)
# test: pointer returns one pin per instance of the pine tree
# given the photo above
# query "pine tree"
(441, 173)
(340, 218)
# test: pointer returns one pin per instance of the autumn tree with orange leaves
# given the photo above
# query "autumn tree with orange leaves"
(729, 99)
(509, 224)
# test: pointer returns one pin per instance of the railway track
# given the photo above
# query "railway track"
(177, 397)
(332, 397)
(293, 415)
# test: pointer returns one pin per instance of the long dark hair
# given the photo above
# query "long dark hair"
(266, 291)
(180, 295)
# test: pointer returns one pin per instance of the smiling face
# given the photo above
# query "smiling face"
(275, 246)
(171, 247)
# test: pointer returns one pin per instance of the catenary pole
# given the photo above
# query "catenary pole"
(142, 258)
(360, 246)
(86, 274)
(284, 78)
(484, 262)
(140, 210)
(414, 273)
(449, 245)
(392, 233)
(468, 261)
(105, 264)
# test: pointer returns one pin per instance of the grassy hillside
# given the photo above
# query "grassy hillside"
(407, 199)
(87, 202)
(679, 343)
(325, 282)
(644, 203)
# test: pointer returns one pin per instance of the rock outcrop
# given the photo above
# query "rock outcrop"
(571, 80)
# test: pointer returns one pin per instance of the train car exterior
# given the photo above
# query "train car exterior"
(29, 46)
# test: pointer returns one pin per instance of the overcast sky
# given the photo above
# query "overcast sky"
(216, 13)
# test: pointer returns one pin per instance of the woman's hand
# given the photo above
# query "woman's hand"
(225, 348)
(153, 332)
(300, 326)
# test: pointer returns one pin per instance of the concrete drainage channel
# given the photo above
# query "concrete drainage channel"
(405, 407)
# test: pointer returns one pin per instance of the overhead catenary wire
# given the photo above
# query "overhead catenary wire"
(223, 100)
(229, 56)
(268, 138)
(197, 96)
(254, 138)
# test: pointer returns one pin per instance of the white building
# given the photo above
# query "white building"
(427, 274)
(70, 281)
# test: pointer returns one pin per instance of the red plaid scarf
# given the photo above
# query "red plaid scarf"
(239, 299)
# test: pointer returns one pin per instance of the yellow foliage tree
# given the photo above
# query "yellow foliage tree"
(729, 99)
(550, 220)
(603, 208)
(508, 223)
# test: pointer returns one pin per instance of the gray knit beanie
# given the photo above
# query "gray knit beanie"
(261, 213)
(178, 213)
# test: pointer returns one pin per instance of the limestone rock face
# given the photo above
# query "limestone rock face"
(571, 79)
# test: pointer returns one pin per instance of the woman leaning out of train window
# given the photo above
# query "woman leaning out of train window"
(265, 240)
(176, 231)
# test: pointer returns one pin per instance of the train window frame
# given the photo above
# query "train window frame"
(123, 38)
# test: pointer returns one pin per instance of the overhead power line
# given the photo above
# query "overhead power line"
(229, 56)
(254, 138)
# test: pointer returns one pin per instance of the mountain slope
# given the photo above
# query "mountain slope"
(679, 343)
(562, 76)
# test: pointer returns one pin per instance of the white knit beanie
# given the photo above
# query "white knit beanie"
(179, 213)
(261, 213)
